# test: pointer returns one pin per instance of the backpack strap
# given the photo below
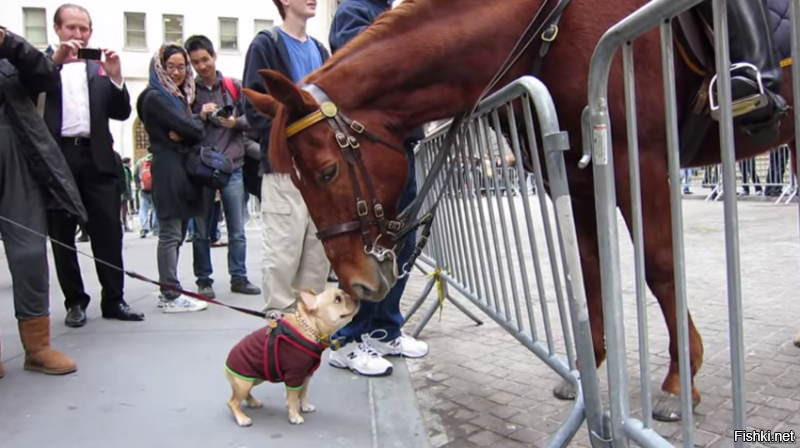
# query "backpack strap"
(230, 86)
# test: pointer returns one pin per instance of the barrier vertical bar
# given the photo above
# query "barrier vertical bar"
(794, 11)
(638, 231)
(723, 65)
(676, 215)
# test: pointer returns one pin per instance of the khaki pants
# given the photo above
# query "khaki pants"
(292, 256)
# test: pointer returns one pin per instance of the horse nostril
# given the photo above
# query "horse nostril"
(363, 291)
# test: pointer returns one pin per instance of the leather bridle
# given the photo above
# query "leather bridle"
(343, 129)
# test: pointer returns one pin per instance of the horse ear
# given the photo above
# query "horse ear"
(284, 90)
(263, 103)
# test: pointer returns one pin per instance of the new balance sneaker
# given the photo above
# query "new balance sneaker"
(403, 345)
(361, 358)
(181, 304)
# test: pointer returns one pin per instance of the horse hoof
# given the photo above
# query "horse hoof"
(668, 407)
(797, 340)
(564, 391)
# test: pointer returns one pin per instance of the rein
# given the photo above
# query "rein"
(407, 221)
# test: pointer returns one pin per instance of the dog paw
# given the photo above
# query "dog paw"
(307, 408)
(296, 419)
(244, 421)
(253, 403)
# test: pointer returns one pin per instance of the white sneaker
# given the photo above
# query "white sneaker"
(402, 345)
(361, 358)
(182, 305)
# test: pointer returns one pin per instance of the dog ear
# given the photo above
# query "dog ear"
(307, 298)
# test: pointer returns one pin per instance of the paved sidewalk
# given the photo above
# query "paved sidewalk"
(479, 387)
(159, 383)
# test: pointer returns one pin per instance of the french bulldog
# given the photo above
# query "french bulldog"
(287, 351)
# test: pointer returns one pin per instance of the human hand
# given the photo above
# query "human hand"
(207, 108)
(227, 122)
(111, 64)
(67, 52)
(174, 136)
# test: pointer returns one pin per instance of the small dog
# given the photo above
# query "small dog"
(287, 351)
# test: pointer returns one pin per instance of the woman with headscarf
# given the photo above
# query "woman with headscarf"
(164, 107)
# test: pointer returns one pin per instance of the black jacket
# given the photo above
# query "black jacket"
(106, 102)
(174, 194)
(25, 72)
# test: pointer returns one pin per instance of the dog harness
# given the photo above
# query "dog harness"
(279, 354)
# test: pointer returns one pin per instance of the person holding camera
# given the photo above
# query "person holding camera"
(90, 91)
(218, 104)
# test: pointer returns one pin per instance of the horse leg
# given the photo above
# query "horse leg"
(659, 272)
(583, 208)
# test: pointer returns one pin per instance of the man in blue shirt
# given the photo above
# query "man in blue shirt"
(375, 330)
(292, 253)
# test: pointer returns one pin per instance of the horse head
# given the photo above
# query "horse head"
(350, 167)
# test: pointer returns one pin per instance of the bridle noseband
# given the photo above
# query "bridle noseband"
(348, 143)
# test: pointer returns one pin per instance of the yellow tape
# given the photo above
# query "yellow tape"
(437, 276)
(786, 62)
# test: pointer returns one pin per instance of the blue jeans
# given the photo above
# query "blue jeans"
(385, 315)
(146, 204)
(232, 203)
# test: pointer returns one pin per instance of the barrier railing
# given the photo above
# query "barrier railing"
(659, 14)
(487, 243)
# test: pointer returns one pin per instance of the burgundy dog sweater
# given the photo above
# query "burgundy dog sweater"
(280, 354)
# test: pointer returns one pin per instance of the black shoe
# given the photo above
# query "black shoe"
(76, 317)
(205, 289)
(121, 311)
(243, 286)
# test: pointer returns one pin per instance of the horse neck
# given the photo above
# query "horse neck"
(417, 70)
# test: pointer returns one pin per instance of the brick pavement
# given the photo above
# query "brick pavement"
(479, 387)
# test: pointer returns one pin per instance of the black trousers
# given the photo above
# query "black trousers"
(102, 196)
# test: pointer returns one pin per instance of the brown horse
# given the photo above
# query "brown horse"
(430, 60)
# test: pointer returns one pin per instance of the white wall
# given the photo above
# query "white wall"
(109, 31)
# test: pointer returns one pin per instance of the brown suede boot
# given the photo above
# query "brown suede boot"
(39, 355)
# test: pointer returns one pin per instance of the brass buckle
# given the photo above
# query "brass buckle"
(356, 126)
(361, 208)
(553, 30)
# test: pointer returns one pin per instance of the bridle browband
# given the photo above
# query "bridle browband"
(343, 128)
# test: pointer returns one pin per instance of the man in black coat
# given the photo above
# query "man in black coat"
(34, 177)
(88, 94)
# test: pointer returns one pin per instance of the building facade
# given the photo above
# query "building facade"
(137, 30)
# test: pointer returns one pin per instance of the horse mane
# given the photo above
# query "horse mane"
(379, 29)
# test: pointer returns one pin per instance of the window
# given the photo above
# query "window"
(173, 28)
(262, 24)
(135, 30)
(228, 34)
(35, 22)
(141, 141)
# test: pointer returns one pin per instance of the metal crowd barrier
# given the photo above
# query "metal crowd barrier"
(658, 14)
(768, 176)
(488, 245)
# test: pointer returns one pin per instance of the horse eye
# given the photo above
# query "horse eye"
(338, 299)
(328, 174)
